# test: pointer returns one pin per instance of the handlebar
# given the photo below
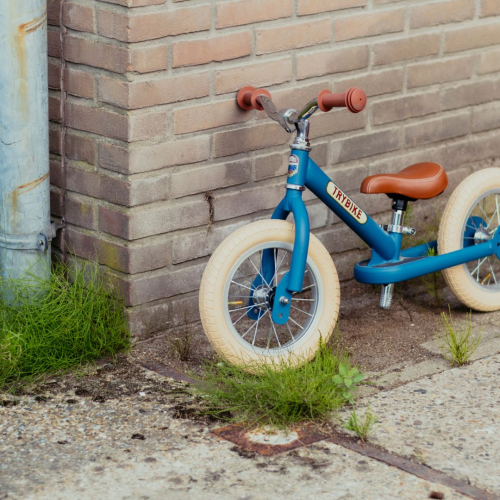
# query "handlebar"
(354, 100)
(249, 98)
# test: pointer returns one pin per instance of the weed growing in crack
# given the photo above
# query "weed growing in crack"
(362, 427)
(279, 394)
(457, 342)
(68, 323)
(182, 343)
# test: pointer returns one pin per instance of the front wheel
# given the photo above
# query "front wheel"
(472, 216)
(236, 299)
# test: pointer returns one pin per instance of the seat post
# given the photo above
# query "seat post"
(399, 206)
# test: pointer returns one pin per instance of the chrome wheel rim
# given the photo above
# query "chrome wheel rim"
(262, 335)
(481, 222)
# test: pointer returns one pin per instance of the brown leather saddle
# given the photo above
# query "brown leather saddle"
(416, 182)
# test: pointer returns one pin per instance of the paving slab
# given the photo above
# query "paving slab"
(133, 449)
(449, 421)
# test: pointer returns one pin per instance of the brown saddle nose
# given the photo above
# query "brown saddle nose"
(419, 182)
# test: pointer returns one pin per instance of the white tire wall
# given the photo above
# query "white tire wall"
(217, 272)
(451, 234)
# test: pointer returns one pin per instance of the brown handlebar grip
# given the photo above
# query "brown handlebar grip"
(354, 100)
(248, 98)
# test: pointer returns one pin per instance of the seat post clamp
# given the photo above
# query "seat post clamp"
(392, 228)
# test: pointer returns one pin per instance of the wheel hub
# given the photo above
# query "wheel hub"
(482, 235)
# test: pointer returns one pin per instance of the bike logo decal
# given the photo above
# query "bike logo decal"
(293, 165)
(346, 203)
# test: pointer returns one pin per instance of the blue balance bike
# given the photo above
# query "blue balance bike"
(270, 291)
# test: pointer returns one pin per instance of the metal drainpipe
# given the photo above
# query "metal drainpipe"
(25, 226)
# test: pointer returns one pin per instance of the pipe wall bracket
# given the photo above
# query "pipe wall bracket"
(33, 241)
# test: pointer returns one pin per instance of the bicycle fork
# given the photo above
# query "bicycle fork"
(293, 203)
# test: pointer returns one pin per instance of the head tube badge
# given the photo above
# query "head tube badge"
(293, 165)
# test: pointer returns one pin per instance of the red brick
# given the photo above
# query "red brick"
(153, 157)
(53, 44)
(490, 8)
(449, 70)
(148, 59)
(140, 27)
(246, 139)
(80, 148)
(485, 118)
(114, 125)
(217, 49)
(79, 17)
(369, 24)
(135, 95)
(79, 83)
(260, 74)
(470, 94)
(140, 222)
(96, 54)
(441, 129)
(53, 12)
(80, 213)
(373, 83)
(407, 48)
(169, 283)
(472, 37)
(488, 62)
(361, 146)
(54, 108)
(332, 61)
(432, 14)
(243, 202)
(209, 177)
(135, 3)
(251, 11)
(305, 7)
(304, 34)
(209, 116)
(336, 122)
(402, 108)
(54, 76)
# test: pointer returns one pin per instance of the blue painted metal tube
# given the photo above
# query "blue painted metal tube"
(383, 245)
(419, 250)
(25, 229)
(395, 273)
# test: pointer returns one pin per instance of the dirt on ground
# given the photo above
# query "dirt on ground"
(376, 339)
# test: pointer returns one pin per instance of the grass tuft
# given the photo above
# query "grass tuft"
(457, 342)
(279, 395)
(362, 427)
(65, 326)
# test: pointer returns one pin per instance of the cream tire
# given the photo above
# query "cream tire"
(214, 295)
(469, 289)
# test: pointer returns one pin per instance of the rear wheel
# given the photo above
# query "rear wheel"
(236, 300)
(472, 216)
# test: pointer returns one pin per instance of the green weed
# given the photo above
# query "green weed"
(362, 427)
(457, 342)
(279, 395)
(66, 325)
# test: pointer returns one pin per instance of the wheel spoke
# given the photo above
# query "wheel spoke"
(305, 288)
(276, 269)
(492, 272)
(303, 312)
(291, 319)
(236, 283)
(290, 331)
(275, 333)
(304, 300)
(240, 308)
(257, 327)
(258, 272)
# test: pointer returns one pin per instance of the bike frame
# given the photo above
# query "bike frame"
(388, 263)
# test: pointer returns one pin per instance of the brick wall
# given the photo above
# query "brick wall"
(162, 165)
